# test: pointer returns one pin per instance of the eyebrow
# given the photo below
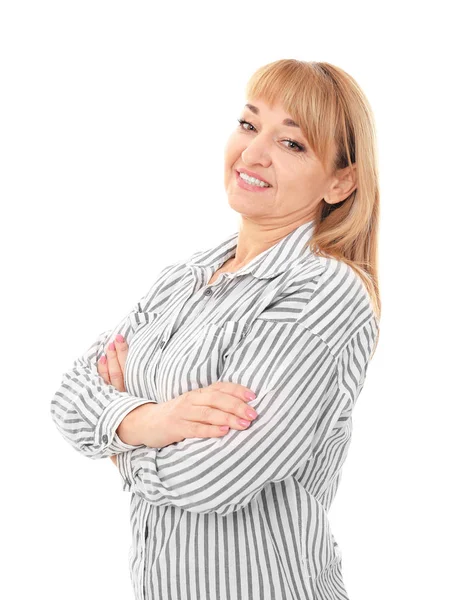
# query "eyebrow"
(288, 122)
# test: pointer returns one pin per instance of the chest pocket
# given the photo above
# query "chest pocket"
(213, 346)
(143, 331)
(139, 319)
(192, 360)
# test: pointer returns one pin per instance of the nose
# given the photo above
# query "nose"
(256, 153)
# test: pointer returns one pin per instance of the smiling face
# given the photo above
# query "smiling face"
(268, 144)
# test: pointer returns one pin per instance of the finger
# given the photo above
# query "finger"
(121, 347)
(194, 429)
(103, 369)
(228, 403)
(235, 389)
(216, 417)
(115, 372)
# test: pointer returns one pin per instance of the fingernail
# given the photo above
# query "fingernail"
(251, 413)
(111, 346)
(244, 423)
(119, 338)
(224, 428)
(103, 359)
(250, 395)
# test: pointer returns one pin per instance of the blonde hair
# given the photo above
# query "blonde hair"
(331, 110)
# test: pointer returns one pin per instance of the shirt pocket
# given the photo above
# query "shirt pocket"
(144, 335)
(213, 345)
(139, 319)
(144, 328)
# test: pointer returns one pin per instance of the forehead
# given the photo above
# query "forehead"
(262, 109)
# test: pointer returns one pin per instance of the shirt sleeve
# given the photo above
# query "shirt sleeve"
(85, 409)
(302, 389)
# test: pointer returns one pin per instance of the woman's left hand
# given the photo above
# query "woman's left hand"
(112, 368)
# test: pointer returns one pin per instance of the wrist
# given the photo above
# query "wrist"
(130, 430)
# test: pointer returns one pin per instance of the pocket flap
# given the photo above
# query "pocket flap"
(137, 319)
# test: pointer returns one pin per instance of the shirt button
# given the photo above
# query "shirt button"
(208, 292)
(162, 343)
(105, 438)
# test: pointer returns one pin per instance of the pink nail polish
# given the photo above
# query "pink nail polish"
(111, 346)
(119, 338)
(103, 359)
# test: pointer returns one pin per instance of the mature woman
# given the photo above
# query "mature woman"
(230, 492)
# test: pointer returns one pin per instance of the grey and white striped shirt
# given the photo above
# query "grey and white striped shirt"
(243, 516)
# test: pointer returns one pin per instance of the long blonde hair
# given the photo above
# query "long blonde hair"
(330, 108)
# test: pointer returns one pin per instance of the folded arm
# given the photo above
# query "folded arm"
(297, 380)
(85, 409)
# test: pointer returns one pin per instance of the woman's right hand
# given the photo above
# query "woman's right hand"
(198, 413)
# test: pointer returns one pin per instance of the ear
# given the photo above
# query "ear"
(344, 183)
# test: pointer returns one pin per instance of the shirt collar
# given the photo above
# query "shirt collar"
(269, 263)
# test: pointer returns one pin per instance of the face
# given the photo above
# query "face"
(279, 153)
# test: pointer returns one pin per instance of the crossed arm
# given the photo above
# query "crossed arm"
(300, 398)
(111, 367)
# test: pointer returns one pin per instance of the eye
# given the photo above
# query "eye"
(300, 148)
(242, 122)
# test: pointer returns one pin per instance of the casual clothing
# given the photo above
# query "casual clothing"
(243, 516)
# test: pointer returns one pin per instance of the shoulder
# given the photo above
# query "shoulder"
(339, 305)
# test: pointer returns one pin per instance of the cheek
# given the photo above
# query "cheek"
(233, 148)
(302, 181)
(228, 174)
(287, 178)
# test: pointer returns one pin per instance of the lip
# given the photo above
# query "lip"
(252, 174)
(249, 187)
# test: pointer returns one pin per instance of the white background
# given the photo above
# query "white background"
(114, 117)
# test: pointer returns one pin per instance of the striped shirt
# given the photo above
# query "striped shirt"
(245, 515)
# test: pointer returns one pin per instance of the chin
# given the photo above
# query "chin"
(246, 205)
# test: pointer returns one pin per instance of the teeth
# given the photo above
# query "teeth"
(253, 180)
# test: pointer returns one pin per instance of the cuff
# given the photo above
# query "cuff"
(117, 446)
(112, 415)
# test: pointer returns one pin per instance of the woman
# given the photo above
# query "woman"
(287, 308)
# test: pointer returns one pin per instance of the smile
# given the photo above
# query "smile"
(245, 183)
